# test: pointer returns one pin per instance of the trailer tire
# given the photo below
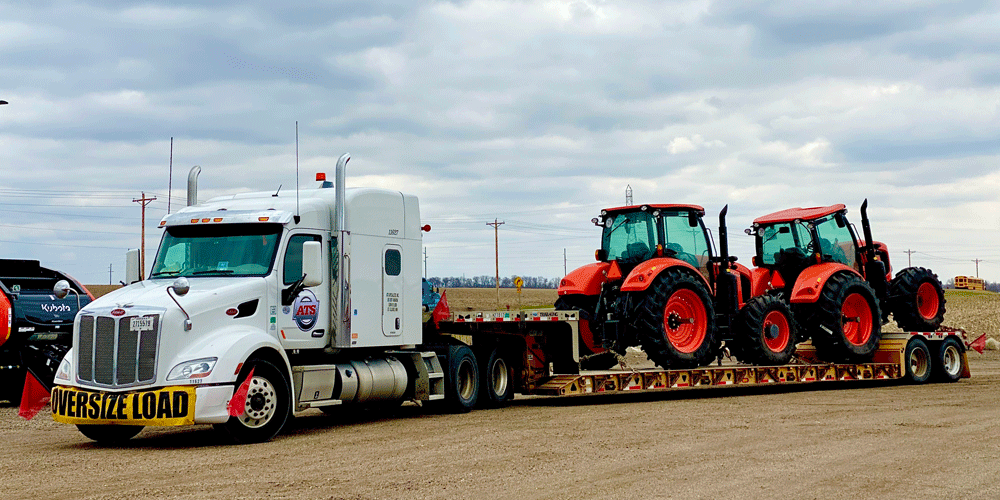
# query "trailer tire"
(766, 332)
(948, 362)
(268, 405)
(916, 300)
(845, 296)
(676, 320)
(461, 380)
(497, 375)
(110, 434)
(917, 358)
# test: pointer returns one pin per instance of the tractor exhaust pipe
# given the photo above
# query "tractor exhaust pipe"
(193, 185)
(866, 227)
(723, 235)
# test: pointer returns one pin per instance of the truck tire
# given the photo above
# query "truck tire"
(676, 320)
(461, 380)
(268, 405)
(917, 358)
(110, 434)
(497, 387)
(585, 305)
(916, 300)
(948, 362)
(765, 332)
(845, 321)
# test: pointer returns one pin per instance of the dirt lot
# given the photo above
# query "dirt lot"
(849, 441)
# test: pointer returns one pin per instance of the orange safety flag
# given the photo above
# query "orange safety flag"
(237, 405)
(34, 397)
(441, 310)
(979, 344)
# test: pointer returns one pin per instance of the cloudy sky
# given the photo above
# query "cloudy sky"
(535, 113)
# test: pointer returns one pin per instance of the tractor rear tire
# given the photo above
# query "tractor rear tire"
(765, 332)
(676, 321)
(585, 305)
(916, 300)
(845, 320)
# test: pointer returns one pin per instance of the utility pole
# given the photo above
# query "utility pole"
(425, 262)
(977, 261)
(909, 253)
(496, 245)
(564, 262)
(142, 253)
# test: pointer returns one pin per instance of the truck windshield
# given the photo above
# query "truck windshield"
(217, 250)
(630, 237)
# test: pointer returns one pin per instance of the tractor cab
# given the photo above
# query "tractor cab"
(635, 234)
(791, 240)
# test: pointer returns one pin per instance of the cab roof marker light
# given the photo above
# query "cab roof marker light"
(217, 219)
(194, 221)
(262, 219)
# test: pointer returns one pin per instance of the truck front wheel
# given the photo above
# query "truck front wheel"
(110, 434)
(267, 407)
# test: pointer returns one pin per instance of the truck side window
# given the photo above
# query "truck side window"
(393, 262)
(293, 257)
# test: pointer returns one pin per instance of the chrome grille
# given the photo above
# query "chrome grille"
(118, 352)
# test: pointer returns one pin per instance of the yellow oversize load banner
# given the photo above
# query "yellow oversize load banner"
(167, 406)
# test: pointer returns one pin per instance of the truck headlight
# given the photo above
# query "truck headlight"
(64, 370)
(197, 368)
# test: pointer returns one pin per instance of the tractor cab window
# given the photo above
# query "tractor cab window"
(629, 237)
(836, 241)
(684, 242)
(783, 242)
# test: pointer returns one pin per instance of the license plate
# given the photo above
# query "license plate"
(167, 406)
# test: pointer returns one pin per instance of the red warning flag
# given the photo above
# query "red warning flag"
(34, 397)
(237, 405)
(979, 344)
(441, 310)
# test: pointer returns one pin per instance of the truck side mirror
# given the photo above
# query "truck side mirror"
(312, 263)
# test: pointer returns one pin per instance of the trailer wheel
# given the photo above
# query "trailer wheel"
(110, 434)
(461, 379)
(918, 361)
(948, 362)
(497, 387)
(845, 320)
(916, 300)
(676, 321)
(766, 332)
(267, 408)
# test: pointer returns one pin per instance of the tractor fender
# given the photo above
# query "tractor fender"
(763, 280)
(810, 283)
(644, 274)
(586, 280)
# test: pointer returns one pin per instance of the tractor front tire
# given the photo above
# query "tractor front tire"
(916, 300)
(845, 320)
(765, 332)
(676, 321)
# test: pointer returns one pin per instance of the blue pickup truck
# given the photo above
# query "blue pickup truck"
(36, 327)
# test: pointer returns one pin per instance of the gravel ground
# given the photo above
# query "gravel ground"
(845, 441)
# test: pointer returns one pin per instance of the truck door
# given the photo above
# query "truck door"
(304, 322)
(392, 290)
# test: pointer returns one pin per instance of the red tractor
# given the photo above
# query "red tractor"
(838, 286)
(658, 284)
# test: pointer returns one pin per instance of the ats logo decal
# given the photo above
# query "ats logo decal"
(306, 310)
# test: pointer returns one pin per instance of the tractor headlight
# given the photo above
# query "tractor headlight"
(197, 368)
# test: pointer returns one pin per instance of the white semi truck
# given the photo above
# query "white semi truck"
(312, 299)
